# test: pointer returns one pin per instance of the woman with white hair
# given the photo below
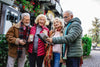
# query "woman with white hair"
(54, 51)
(37, 47)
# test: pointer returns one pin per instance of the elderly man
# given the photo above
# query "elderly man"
(17, 37)
(71, 40)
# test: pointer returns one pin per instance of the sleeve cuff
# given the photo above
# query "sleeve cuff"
(53, 40)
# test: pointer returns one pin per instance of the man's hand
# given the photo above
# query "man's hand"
(22, 42)
(49, 40)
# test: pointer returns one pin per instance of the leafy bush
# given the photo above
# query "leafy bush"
(4, 52)
(87, 45)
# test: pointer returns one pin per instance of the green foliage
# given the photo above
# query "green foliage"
(94, 31)
(4, 52)
(30, 7)
(87, 45)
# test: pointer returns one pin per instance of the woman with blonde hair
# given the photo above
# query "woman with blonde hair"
(37, 46)
(54, 51)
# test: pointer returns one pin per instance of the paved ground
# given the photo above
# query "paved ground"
(93, 60)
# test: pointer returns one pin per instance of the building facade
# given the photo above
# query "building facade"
(10, 11)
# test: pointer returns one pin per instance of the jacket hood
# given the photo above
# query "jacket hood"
(75, 19)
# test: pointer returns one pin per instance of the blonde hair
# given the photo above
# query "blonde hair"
(39, 16)
(59, 21)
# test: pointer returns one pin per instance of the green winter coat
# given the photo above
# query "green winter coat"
(72, 39)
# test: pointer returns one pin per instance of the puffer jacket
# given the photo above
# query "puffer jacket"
(41, 45)
(72, 38)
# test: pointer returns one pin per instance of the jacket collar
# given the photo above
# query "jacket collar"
(18, 25)
(66, 23)
(42, 26)
(73, 20)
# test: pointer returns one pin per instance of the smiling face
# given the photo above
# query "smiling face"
(26, 20)
(41, 21)
(57, 23)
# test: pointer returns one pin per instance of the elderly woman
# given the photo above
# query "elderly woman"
(37, 46)
(54, 51)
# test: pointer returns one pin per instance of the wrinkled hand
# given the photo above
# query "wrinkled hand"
(49, 40)
(22, 42)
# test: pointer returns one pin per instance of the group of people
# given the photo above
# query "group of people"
(64, 39)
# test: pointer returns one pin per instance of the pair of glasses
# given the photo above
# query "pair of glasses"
(66, 17)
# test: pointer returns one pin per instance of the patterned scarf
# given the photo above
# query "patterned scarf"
(21, 36)
(49, 55)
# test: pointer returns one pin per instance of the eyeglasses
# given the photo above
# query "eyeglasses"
(66, 17)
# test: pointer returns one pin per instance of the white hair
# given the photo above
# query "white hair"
(25, 14)
(39, 16)
(68, 11)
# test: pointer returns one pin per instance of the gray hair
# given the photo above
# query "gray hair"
(68, 11)
(25, 14)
